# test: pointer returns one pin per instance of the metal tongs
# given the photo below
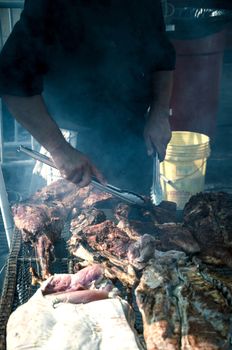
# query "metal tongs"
(156, 189)
(127, 196)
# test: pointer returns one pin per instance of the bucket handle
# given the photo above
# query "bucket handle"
(173, 184)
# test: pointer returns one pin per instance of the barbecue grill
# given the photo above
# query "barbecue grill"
(17, 287)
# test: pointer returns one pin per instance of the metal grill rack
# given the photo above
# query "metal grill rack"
(4, 250)
(26, 259)
(9, 286)
(17, 287)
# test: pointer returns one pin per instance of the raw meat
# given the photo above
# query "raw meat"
(71, 282)
(80, 296)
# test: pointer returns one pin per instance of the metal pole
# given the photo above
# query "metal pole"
(11, 25)
(10, 16)
(5, 210)
(1, 135)
(1, 37)
(32, 143)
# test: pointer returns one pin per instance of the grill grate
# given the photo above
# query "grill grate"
(27, 259)
(17, 288)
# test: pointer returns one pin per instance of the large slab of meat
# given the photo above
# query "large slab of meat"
(41, 218)
(46, 211)
(67, 313)
(185, 305)
(165, 212)
(128, 241)
(102, 242)
(209, 218)
(181, 310)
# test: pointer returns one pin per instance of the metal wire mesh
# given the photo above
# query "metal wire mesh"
(27, 259)
(3, 253)
(18, 288)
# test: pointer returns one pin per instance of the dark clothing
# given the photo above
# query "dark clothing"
(85, 55)
(121, 156)
(93, 61)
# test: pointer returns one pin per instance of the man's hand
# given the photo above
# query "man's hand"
(72, 164)
(75, 166)
(157, 132)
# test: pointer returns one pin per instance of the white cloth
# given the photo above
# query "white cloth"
(99, 325)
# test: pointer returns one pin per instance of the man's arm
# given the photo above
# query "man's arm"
(32, 113)
(157, 131)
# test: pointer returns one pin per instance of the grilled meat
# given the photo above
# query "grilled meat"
(106, 236)
(41, 218)
(165, 212)
(181, 309)
(209, 218)
(87, 217)
(176, 237)
(96, 198)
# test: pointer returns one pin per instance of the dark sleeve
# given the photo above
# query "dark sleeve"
(160, 46)
(23, 57)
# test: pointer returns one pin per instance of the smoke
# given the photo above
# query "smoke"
(84, 92)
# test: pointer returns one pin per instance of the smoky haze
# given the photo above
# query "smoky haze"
(73, 101)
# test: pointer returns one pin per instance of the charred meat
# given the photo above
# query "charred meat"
(181, 309)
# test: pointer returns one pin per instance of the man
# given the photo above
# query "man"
(96, 66)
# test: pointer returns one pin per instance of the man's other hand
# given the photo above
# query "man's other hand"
(157, 132)
(75, 166)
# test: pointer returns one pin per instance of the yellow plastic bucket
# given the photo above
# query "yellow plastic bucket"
(183, 170)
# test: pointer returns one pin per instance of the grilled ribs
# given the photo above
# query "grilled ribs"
(181, 309)
(209, 218)
(45, 212)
